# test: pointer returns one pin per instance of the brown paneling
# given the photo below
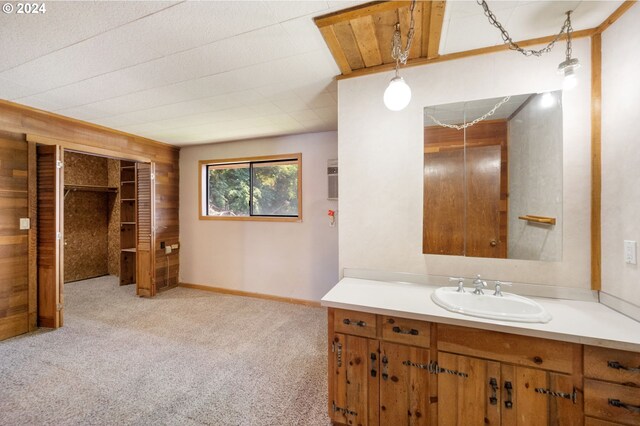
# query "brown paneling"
(113, 180)
(435, 28)
(14, 243)
(82, 169)
(50, 224)
(86, 218)
(349, 45)
(365, 35)
(144, 223)
(87, 137)
(86, 228)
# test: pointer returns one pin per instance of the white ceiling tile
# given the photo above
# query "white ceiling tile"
(304, 115)
(26, 37)
(327, 113)
(11, 90)
(286, 10)
(291, 104)
(322, 100)
(266, 109)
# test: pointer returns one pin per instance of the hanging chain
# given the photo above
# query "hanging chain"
(397, 52)
(474, 122)
(566, 27)
(567, 23)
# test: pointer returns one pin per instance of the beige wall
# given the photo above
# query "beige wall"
(298, 260)
(535, 180)
(620, 155)
(380, 154)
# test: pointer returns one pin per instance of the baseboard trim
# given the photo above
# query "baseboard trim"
(222, 290)
(619, 305)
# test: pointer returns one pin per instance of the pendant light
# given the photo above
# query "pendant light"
(398, 93)
(569, 66)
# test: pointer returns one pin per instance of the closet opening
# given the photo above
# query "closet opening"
(95, 226)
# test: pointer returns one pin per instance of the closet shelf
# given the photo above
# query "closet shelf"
(89, 188)
(127, 223)
(128, 181)
(129, 250)
(127, 199)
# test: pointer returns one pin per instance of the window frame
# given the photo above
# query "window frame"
(203, 187)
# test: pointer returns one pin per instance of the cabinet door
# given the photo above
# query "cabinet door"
(540, 398)
(468, 391)
(355, 380)
(404, 385)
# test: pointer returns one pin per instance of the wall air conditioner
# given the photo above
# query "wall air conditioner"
(332, 176)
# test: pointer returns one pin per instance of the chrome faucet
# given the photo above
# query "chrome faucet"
(499, 285)
(479, 284)
(460, 282)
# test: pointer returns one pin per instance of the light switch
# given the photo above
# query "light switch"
(167, 249)
(630, 250)
(25, 223)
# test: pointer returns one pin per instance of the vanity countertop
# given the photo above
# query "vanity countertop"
(588, 323)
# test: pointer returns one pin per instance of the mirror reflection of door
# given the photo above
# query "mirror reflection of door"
(471, 202)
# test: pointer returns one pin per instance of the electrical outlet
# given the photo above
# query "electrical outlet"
(630, 250)
(175, 246)
(167, 249)
(25, 223)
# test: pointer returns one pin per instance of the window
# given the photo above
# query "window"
(258, 188)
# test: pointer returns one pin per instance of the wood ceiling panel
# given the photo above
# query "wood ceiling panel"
(404, 14)
(384, 24)
(365, 34)
(361, 37)
(347, 40)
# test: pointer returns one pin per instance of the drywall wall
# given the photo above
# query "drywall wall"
(620, 155)
(297, 260)
(380, 155)
(535, 179)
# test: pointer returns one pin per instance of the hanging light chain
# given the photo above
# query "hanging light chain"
(397, 52)
(474, 122)
(569, 32)
(566, 27)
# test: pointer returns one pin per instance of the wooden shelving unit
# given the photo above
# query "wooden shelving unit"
(127, 223)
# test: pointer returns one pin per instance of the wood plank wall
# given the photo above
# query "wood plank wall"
(14, 244)
(17, 121)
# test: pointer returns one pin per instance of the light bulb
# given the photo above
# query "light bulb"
(568, 68)
(570, 81)
(397, 95)
(546, 101)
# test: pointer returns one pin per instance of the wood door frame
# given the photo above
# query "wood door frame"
(33, 141)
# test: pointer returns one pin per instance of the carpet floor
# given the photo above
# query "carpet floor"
(186, 357)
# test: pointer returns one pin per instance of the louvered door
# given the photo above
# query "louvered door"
(50, 228)
(145, 264)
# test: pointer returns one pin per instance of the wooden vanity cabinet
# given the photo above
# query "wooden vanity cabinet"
(612, 386)
(410, 372)
(503, 379)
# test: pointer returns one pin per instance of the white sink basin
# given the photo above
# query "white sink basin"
(509, 307)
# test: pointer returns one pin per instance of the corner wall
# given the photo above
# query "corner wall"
(380, 154)
(620, 155)
(287, 259)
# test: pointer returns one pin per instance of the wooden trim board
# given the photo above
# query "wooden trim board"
(229, 291)
(86, 149)
(464, 54)
(615, 15)
(596, 162)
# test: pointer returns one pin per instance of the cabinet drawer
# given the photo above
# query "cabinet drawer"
(590, 421)
(407, 331)
(612, 365)
(534, 352)
(606, 401)
(353, 322)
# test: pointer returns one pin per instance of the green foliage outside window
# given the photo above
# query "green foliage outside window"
(274, 191)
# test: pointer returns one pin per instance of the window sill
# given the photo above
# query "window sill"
(252, 218)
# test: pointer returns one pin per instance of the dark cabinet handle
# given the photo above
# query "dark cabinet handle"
(493, 383)
(374, 372)
(385, 368)
(508, 403)
(620, 404)
(617, 366)
(347, 321)
(412, 332)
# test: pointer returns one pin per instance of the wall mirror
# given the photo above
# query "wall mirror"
(493, 178)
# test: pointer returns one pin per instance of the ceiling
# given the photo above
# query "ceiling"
(210, 71)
